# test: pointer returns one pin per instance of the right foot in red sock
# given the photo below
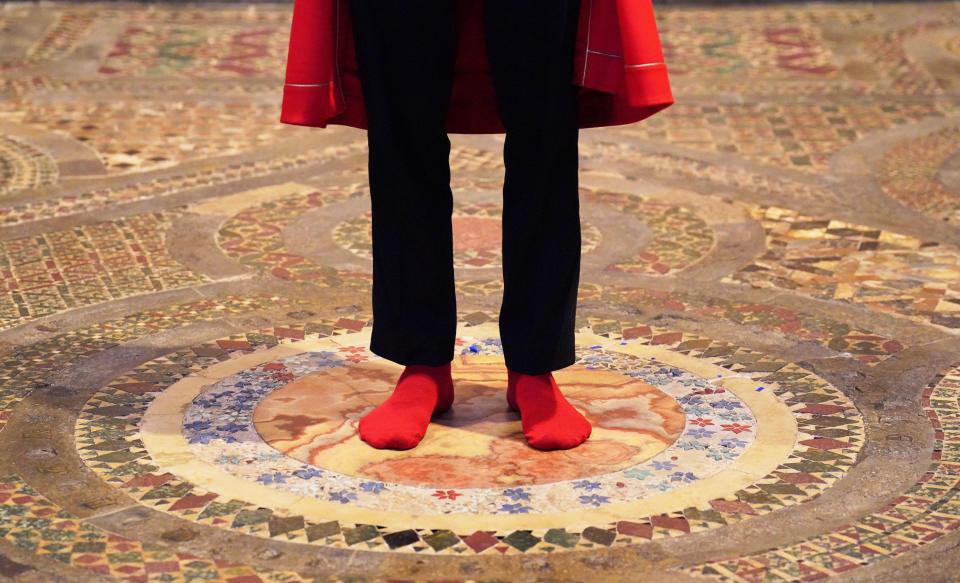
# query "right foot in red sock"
(401, 421)
(548, 420)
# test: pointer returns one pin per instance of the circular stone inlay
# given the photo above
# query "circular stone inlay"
(178, 435)
(479, 442)
(610, 469)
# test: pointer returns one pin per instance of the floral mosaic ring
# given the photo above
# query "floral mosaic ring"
(681, 443)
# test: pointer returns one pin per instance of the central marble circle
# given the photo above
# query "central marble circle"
(479, 442)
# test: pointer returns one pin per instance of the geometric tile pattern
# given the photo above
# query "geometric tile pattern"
(908, 172)
(107, 437)
(925, 512)
(23, 166)
(109, 196)
(801, 136)
(720, 427)
(31, 522)
(786, 52)
(882, 270)
(218, 50)
(255, 237)
(179, 105)
(25, 368)
(679, 239)
(87, 265)
(130, 138)
(864, 345)
(67, 29)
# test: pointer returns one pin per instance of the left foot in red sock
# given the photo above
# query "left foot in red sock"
(548, 420)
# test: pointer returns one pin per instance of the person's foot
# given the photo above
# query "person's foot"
(401, 421)
(548, 420)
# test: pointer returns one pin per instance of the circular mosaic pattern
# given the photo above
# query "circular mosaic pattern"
(680, 237)
(254, 237)
(479, 444)
(23, 166)
(184, 472)
(909, 171)
(203, 438)
(476, 235)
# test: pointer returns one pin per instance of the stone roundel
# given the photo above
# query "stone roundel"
(689, 434)
(478, 444)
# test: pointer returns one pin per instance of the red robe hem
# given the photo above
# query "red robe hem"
(618, 66)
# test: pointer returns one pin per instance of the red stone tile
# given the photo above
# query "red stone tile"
(192, 501)
(234, 345)
(635, 529)
(288, 333)
(637, 332)
(480, 541)
(245, 579)
(680, 524)
(732, 506)
(667, 338)
(349, 324)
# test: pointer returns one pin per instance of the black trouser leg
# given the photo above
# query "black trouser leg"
(405, 55)
(530, 47)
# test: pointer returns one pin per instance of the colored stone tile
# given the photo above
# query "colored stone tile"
(24, 167)
(95, 263)
(798, 136)
(786, 485)
(909, 171)
(129, 138)
(32, 522)
(900, 528)
(881, 270)
(842, 337)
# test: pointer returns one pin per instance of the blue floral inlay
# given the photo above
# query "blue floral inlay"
(224, 415)
(516, 494)
(594, 499)
(515, 508)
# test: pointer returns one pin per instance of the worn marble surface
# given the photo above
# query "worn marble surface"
(768, 327)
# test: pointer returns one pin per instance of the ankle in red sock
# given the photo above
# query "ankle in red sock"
(548, 420)
(401, 421)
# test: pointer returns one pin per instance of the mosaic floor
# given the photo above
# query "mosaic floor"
(768, 331)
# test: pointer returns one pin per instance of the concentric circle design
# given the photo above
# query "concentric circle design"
(23, 166)
(719, 429)
(478, 444)
(196, 443)
(680, 238)
(254, 237)
(476, 235)
(908, 172)
(225, 448)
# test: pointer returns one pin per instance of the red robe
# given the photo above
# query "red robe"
(618, 66)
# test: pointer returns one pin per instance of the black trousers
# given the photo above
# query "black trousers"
(405, 55)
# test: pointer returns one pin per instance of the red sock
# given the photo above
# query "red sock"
(400, 422)
(548, 420)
